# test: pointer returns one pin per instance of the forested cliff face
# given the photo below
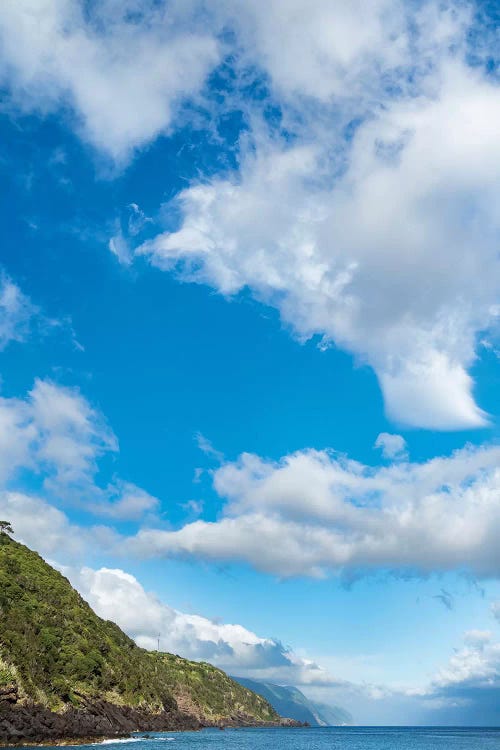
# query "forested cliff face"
(66, 672)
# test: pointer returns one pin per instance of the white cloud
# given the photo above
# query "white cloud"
(194, 507)
(478, 638)
(70, 434)
(383, 241)
(56, 435)
(372, 223)
(464, 692)
(118, 596)
(17, 436)
(124, 500)
(124, 67)
(206, 447)
(319, 50)
(137, 219)
(463, 682)
(16, 312)
(315, 512)
(119, 246)
(126, 228)
(20, 317)
(392, 446)
(476, 665)
(42, 527)
(368, 263)
(34, 520)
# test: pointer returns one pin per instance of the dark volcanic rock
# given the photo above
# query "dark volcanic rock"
(293, 723)
(22, 722)
(29, 722)
(9, 694)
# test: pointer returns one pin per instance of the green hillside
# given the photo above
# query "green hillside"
(56, 652)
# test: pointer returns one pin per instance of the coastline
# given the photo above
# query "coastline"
(101, 739)
(67, 679)
(31, 724)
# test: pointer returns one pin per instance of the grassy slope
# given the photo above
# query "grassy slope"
(57, 649)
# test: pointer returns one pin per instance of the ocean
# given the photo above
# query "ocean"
(323, 738)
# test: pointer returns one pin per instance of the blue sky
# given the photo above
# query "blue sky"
(239, 247)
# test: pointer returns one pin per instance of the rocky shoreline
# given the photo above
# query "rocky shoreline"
(28, 723)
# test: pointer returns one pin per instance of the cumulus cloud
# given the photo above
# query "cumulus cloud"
(368, 217)
(42, 527)
(38, 523)
(352, 228)
(124, 500)
(118, 596)
(369, 262)
(56, 435)
(70, 434)
(123, 67)
(317, 512)
(468, 686)
(465, 691)
(467, 683)
(316, 54)
(392, 446)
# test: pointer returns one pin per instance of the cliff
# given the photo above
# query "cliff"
(290, 701)
(65, 672)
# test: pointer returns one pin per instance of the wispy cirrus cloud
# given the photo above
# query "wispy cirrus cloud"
(16, 312)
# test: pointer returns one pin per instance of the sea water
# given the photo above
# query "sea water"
(322, 738)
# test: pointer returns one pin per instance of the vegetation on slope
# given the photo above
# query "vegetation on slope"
(59, 652)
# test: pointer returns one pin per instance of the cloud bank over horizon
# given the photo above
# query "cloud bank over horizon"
(463, 689)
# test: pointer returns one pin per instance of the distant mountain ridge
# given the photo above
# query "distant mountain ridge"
(290, 701)
(66, 673)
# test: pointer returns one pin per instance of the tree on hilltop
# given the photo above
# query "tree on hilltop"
(6, 528)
